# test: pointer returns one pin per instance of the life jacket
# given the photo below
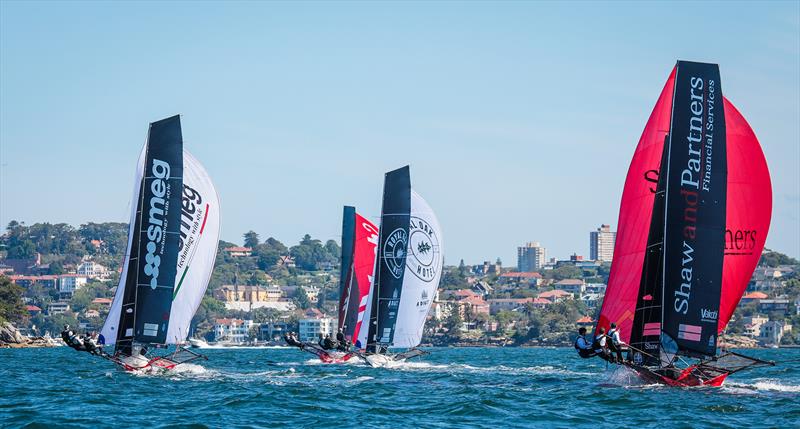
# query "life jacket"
(584, 353)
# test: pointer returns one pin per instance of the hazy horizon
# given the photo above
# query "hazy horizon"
(519, 120)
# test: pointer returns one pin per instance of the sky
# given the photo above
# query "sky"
(519, 119)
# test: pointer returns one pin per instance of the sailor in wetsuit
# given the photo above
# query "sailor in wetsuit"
(91, 345)
(292, 340)
(583, 347)
(615, 344)
(600, 345)
(328, 343)
(344, 345)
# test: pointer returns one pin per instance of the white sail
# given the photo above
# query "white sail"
(422, 273)
(199, 237)
(108, 335)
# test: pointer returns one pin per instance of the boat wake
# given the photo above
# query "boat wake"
(759, 385)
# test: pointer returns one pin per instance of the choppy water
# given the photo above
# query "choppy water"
(488, 388)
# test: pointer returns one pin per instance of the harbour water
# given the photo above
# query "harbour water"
(466, 387)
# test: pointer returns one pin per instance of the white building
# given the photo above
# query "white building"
(596, 288)
(310, 329)
(69, 283)
(58, 307)
(232, 330)
(773, 331)
(531, 257)
(312, 292)
(92, 270)
(282, 306)
(601, 244)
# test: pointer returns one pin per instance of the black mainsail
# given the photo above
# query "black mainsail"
(348, 284)
(391, 263)
(696, 196)
(154, 248)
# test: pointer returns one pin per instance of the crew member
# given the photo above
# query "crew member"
(344, 345)
(292, 340)
(91, 345)
(328, 343)
(66, 334)
(584, 347)
(615, 345)
(600, 344)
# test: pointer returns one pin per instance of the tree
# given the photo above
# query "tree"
(454, 321)
(22, 250)
(310, 253)
(83, 297)
(12, 308)
(251, 239)
(301, 298)
(334, 251)
(258, 277)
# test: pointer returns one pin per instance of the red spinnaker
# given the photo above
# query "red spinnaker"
(749, 208)
(634, 218)
(364, 254)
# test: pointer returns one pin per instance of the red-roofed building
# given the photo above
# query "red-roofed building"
(33, 310)
(520, 279)
(238, 251)
(555, 295)
(516, 304)
(573, 286)
(754, 296)
(28, 281)
(473, 304)
(585, 322)
(102, 302)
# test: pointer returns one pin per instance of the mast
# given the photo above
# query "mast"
(346, 268)
(391, 263)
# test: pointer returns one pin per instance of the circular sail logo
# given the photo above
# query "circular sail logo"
(423, 250)
(394, 252)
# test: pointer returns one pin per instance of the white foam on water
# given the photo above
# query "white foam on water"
(764, 385)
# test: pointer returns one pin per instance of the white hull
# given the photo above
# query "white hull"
(379, 361)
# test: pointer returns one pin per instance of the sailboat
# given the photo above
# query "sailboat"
(359, 249)
(406, 274)
(172, 245)
(693, 221)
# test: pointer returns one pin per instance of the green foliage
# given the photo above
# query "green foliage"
(454, 322)
(310, 254)
(257, 277)
(12, 308)
(301, 298)
(83, 297)
(55, 323)
(251, 239)
(771, 258)
(563, 272)
(268, 253)
(452, 279)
